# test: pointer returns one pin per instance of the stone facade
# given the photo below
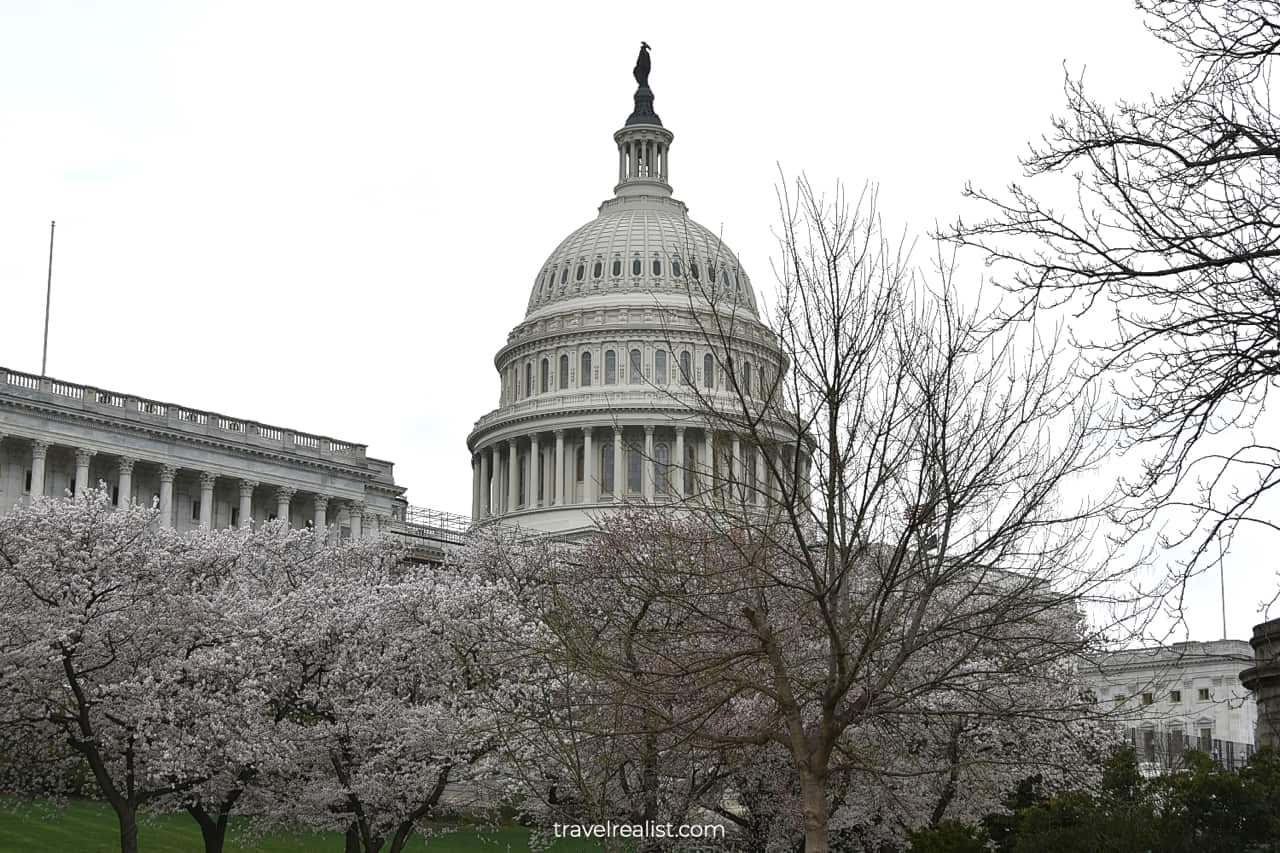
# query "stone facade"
(201, 468)
(1263, 681)
(1184, 695)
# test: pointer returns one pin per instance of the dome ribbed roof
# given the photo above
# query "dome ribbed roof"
(642, 246)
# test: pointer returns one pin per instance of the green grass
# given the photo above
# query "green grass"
(87, 827)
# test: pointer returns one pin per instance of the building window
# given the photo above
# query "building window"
(564, 274)
(1149, 744)
(711, 273)
(662, 460)
(610, 367)
(693, 269)
(195, 509)
(689, 458)
(686, 368)
(1203, 694)
(564, 372)
(115, 497)
(544, 381)
(637, 267)
(584, 375)
(606, 467)
(617, 267)
(235, 516)
(633, 469)
(597, 270)
(1206, 739)
(538, 476)
(1148, 699)
(27, 482)
(1175, 696)
(657, 267)
(675, 268)
(581, 273)
(635, 373)
(660, 367)
(1119, 698)
(577, 464)
(746, 378)
(528, 379)
(708, 371)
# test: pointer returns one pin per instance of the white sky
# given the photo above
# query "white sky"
(328, 216)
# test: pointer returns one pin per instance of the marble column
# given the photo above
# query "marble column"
(320, 524)
(677, 466)
(535, 470)
(356, 513)
(83, 455)
(707, 473)
(284, 495)
(246, 502)
(207, 480)
(590, 494)
(557, 469)
(475, 487)
(39, 453)
(486, 484)
(167, 473)
(762, 482)
(735, 468)
(649, 479)
(513, 476)
(619, 472)
(124, 480)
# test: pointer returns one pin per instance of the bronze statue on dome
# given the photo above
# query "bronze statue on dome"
(641, 71)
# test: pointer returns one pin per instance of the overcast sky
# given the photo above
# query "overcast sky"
(329, 216)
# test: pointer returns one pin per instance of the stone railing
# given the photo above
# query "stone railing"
(609, 397)
(141, 410)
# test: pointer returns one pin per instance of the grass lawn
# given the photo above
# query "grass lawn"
(83, 827)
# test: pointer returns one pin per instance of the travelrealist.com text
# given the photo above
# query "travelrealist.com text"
(648, 829)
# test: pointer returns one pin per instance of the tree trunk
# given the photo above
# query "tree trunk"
(813, 797)
(128, 830)
(213, 831)
(353, 839)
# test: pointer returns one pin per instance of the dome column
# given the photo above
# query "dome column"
(557, 469)
(649, 465)
(762, 485)
(677, 487)
(737, 475)
(513, 476)
(708, 472)
(534, 481)
(475, 487)
(486, 484)
(619, 475)
(590, 494)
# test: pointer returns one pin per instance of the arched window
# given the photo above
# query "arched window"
(581, 273)
(657, 267)
(711, 273)
(634, 370)
(724, 278)
(662, 462)
(660, 367)
(528, 379)
(617, 267)
(564, 274)
(597, 270)
(633, 469)
(746, 377)
(637, 267)
(577, 464)
(693, 269)
(564, 372)
(606, 467)
(708, 371)
(686, 368)
(675, 267)
(610, 367)
(544, 379)
(690, 458)
(584, 374)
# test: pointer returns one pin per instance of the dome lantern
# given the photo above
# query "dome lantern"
(643, 143)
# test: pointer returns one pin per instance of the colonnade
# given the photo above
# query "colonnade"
(284, 496)
(616, 463)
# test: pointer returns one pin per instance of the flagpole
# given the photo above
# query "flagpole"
(48, 296)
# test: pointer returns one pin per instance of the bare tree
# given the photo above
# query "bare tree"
(928, 567)
(1170, 242)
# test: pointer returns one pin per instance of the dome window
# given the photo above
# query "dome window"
(617, 267)
(581, 273)
(584, 375)
(597, 270)
(724, 278)
(564, 275)
(544, 377)
(660, 367)
(675, 268)
(686, 368)
(635, 370)
(708, 371)
(610, 367)
(657, 267)
(693, 269)
(564, 372)
(637, 267)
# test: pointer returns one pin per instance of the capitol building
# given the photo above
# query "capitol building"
(642, 331)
